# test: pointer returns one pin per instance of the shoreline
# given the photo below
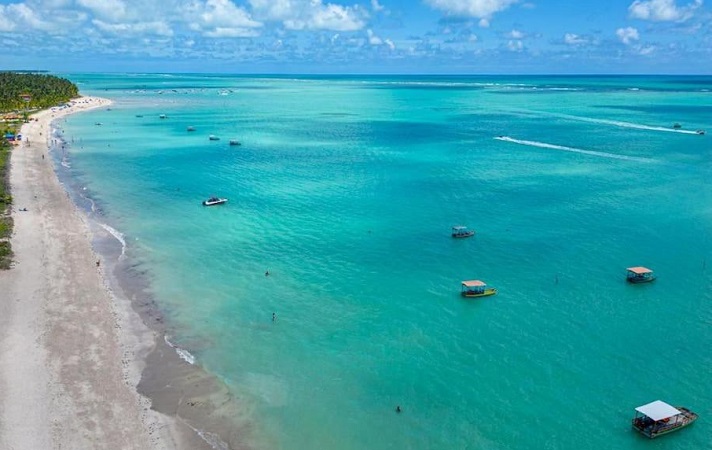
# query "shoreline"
(73, 348)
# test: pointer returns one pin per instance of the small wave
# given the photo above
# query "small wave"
(117, 234)
(211, 438)
(573, 150)
(185, 355)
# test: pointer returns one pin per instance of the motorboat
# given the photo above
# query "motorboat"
(162, 116)
(212, 201)
(677, 126)
(235, 142)
(639, 274)
(476, 288)
(658, 418)
(461, 231)
(191, 128)
(212, 137)
(700, 132)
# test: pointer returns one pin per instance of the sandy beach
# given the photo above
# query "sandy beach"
(72, 351)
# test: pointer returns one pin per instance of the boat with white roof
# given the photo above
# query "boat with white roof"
(658, 418)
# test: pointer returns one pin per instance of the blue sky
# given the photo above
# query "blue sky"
(358, 36)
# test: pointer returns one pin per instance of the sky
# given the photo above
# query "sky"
(358, 36)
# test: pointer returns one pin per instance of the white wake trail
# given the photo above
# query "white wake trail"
(574, 150)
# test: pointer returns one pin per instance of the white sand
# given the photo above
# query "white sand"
(70, 350)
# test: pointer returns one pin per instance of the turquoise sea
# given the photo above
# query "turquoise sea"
(345, 189)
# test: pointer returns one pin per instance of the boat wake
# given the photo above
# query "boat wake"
(574, 150)
(617, 123)
(185, 355)
(117, 234)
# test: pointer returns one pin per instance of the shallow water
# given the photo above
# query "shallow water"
(345, 189)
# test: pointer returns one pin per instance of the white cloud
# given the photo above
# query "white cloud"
(662, 10)
(574, 39)
(221, 19)
(110, 10)
(19, 15)
(225, 32)
(646, 50)
(474, 8)
(373, 39)
(515, 34)
(484, 23)
(627, 35)
(515, 45)
(6, 24)
(157, 28)
(310, 14)
(376, 6)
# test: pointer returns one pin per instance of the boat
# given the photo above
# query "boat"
(476, 288)
(677, 126)
(235, 142)
(212, 137)
(212, 201)
(191, 128)
(658, 418)
(639, 274)
(139, 115)
(162, 116)
(700, 132)
(461, 231)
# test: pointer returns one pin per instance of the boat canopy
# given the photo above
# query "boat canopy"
(639, 270)
(473, 283)
(658, 410)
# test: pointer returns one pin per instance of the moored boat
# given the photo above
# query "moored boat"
(162, 116)
(476, 288)
(234, 142)
(461, 231)
(639, 274)
(212, 201)
(190, 128)
(212, 137)
(658, 418)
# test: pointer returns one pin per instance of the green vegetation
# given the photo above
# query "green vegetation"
(22, 91)
(5, 201)
(5, 255)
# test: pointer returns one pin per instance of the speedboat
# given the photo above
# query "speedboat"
(658, 418)
(700, 132)
(460, 231)
(212, 201)
(212, 137)
(677, 126)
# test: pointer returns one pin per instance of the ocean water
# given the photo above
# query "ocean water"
(345, 189)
